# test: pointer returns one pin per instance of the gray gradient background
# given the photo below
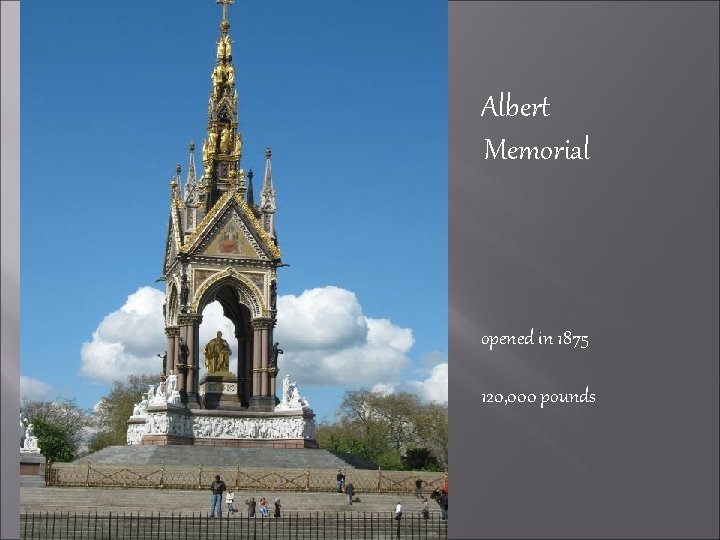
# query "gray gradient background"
(10, 258)
(623, 248)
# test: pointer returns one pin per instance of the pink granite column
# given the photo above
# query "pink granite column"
(170, 333)
(188, 367)
(248, 373)
(264, 362)
(257, 350)
(180, 366)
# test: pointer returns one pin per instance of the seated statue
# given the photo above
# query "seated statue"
(217, 354)
(140, 409)
(30, 444)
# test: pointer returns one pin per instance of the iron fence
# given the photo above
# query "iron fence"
(293, 525)
(239, 478)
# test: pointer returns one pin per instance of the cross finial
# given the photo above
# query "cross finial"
(225, 4)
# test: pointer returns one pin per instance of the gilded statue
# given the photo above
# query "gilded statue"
(224, 48)
(217, 77)
(210, 145)
(230, 74)
(238, 145)
(225, 140)
(217, 354)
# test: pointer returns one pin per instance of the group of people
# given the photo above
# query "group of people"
(218, 488)
(440, 496)
(345, 487)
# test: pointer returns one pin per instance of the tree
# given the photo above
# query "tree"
(395, 431)
(74, 422)
(349, 438)
(114, 409)
(389, 415)
(54, 440)
(433, 431)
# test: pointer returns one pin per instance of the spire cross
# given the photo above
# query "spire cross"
(225, 4)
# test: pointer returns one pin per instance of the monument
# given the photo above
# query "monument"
(32, 461)
(221, 246)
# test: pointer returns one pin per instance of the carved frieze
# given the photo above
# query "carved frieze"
(221, 427)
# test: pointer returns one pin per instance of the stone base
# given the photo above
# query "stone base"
(262, 404)
(220, 391)
(32, 469)
(163, 440)
(175, 425)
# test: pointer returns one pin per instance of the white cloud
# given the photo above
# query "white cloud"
(327, 318)
(325, 336)
(328, 340)
(127, 340)
(433, 388)
(34, 389)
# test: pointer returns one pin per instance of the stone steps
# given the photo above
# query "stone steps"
(214, 456)
(167, 502)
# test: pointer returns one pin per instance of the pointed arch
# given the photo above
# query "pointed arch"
(248, 293)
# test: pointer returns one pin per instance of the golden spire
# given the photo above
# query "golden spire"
(222, 149)
(225, 4)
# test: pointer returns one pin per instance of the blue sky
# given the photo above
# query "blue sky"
(352, 99)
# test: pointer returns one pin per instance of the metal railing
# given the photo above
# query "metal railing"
(319, 480)
(292, 525)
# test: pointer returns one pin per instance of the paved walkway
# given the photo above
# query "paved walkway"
(167, 502)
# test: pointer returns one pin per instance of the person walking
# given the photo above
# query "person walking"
(418, 488)
(250, 502)
(425, 511)
(398, 516)
(217, 488)
(443, 502)
(350, 492)
(277, 508)
(340, 480)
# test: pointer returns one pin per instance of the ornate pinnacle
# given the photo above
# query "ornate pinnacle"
(225, 4)
(268, 153)
(192, 146)
(250, 194)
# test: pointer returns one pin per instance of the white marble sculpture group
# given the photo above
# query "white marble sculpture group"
(177, 421)
(28, 440)
(165, 392)
(291, 398)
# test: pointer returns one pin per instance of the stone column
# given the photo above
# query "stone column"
(273, 380)
(172, 333)
(181, 366)
(248, 370)
(264, 389)
(273, 370)
(243, 359)
(190, 333)
(261, 401)
(257, 351)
